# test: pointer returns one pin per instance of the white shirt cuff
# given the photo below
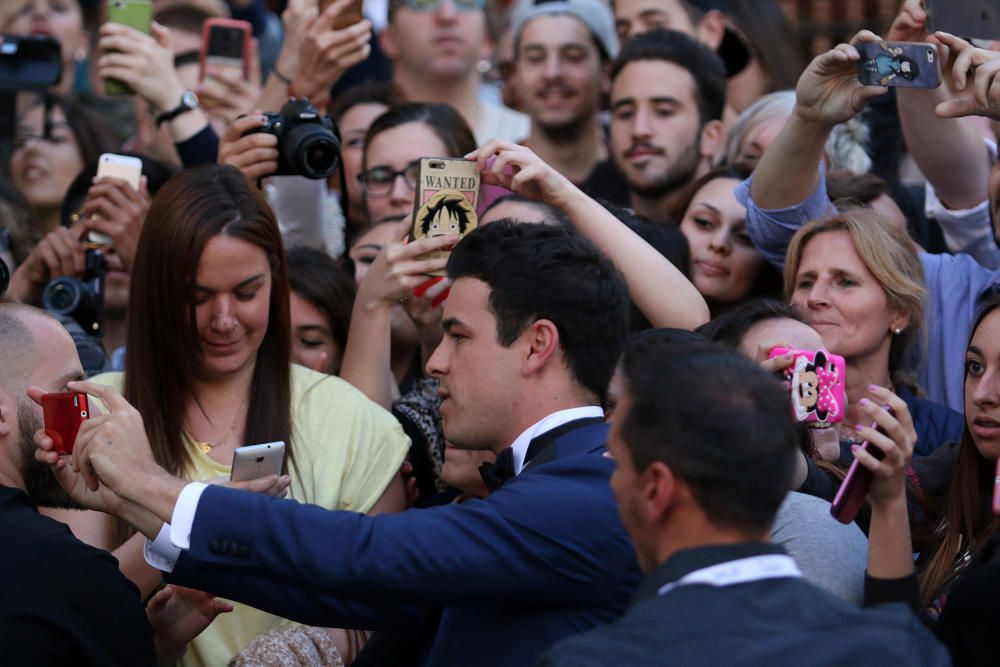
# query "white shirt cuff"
(182, 519)
(161, 552)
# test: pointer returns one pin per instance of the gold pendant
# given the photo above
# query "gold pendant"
(205, 447)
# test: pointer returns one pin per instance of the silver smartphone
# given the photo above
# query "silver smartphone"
(255, 461)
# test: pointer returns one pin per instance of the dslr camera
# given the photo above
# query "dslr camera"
(308, 143)
(80, 299)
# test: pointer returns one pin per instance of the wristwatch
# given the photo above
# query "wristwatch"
(189, 102)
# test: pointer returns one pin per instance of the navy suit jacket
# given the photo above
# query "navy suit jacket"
(772, 623)
(544, 557)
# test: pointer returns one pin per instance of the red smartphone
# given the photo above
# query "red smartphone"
(225, 43)
(64, 412)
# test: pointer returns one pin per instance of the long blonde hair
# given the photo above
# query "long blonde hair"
(892, 258)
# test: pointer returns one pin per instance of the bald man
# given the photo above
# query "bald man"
(62, 602)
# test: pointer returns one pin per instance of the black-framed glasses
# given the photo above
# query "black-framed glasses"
(378, 181)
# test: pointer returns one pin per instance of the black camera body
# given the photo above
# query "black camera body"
(308, 143)
(80, 299)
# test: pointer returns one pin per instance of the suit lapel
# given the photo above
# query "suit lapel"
(580, 436)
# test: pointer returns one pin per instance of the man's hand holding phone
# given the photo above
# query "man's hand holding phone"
(112, 453)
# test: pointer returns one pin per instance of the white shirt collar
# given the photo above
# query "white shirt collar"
(556, 419)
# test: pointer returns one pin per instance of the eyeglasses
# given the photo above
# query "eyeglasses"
(431, 5)
(378, 181)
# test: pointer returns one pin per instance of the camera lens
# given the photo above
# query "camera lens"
(62, 296)
(312, 150)
(321, 157)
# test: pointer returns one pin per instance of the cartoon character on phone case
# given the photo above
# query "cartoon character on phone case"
(813, 385)
(890, 63)
(447, 212)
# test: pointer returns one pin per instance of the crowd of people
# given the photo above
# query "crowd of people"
(576, 430)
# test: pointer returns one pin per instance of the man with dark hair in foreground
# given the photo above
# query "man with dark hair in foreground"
(705, 446)
(533, 330)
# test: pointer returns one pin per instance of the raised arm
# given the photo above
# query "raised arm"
(950, 152)
(649, 275)
(395, 273)
(828, 93)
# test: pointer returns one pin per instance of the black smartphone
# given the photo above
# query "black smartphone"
(965, 18)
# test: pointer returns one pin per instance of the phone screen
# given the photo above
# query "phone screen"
(225, 46)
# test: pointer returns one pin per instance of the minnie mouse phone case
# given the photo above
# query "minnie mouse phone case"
(817, 379)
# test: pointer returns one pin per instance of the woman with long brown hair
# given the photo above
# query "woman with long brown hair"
(208, 367)
(947, 498)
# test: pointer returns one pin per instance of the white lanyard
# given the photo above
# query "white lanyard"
(744, 570)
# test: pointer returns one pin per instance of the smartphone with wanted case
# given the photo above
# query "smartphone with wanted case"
(446, 199)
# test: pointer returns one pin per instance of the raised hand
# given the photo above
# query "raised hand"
(397, 270)
(225, 94)
(829, 92)
(59, 253)
(982, 65)
(256, 155)
(521, 171)
(144, 62)
(895, 437)
(910, 24)
(327, 53)
(112, 207)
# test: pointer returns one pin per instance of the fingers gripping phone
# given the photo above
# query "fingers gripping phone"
(124, 168)
(225, 43)
(351, 15)
(447, 195)
(63, 413)
(137, 14)
(854, 489)
(817, 385)
(254, 461)
(901, 64)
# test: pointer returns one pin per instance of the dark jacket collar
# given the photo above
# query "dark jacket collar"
(688, 560)
(553, 444)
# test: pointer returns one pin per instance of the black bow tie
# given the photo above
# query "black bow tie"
(495, 474)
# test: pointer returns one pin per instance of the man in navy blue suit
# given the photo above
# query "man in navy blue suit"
(533, 329)
(705, 446)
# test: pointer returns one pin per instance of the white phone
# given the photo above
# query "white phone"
(122, 167)
(255, 461)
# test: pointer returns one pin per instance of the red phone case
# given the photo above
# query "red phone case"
(206, 32)
(64, 412)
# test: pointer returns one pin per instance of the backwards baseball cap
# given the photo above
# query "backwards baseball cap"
(595, 14)
(734, 50)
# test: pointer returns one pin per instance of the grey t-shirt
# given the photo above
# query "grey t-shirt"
(831, 555)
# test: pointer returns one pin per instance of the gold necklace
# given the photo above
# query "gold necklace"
(206, 447)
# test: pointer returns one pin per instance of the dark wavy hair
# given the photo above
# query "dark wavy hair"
(443, 120)
(549, 272)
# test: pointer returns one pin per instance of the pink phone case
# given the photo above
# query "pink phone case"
(817, 379)
(996, 490)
